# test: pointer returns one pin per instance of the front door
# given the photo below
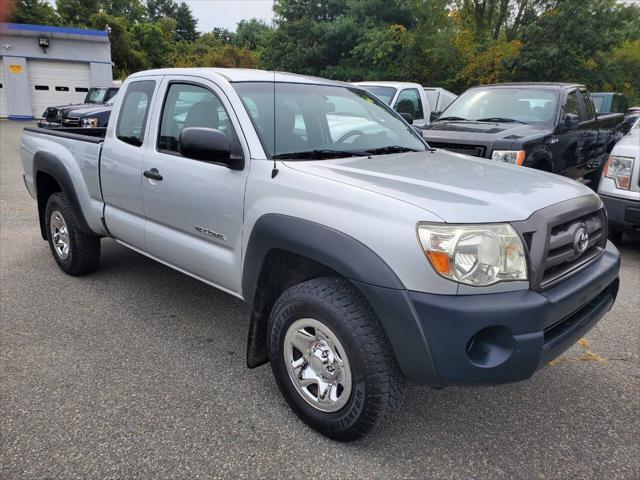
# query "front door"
(194, 209)
(594, 147)
(571, 140)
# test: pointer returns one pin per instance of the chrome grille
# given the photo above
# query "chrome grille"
(563, 257)
(70, 122)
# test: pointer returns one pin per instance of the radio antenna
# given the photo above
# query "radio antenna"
(274, 172)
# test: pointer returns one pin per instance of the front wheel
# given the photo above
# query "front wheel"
(332, 360)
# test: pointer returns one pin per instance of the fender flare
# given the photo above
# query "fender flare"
(344, 254)
(353, 260)
(51, 165)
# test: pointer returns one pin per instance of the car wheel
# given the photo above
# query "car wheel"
(74, 251)
(332, 360)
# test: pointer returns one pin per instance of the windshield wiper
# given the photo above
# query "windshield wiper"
(319, 154)
(459, 119)
(499, 119)
(390, 149)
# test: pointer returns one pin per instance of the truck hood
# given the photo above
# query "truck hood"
(481, 131)
(457, 188)
(89, 111)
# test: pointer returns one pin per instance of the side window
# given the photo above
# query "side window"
(571, 105)
(619, 104)
(409, 102)
(134, 112)
(588, 106)
(186, 106)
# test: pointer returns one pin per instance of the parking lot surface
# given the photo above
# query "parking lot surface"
(138, 371)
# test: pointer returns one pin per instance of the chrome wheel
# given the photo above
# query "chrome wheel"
(317, 365)
(59, 235)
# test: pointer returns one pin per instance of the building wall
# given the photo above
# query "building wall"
(16, 52)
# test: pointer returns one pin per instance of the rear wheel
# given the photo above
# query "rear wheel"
(74, 251)
(332, 360)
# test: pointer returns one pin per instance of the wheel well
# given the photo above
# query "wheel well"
(280, 270)
(543, 165)
(46, 186)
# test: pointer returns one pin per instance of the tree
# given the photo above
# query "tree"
(252, 34)
(186, 24)
(157, 9)
(131, 10)
(77, 12)
(35, 12)
(126, 58)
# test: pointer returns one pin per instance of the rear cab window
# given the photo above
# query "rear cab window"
(134, 111)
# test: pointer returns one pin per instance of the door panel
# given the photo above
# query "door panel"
(121, 165)
(593, 151)
(573, 157)
(195, 213)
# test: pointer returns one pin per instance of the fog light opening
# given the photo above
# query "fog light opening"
(491, 346)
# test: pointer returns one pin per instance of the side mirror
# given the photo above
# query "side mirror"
(434, 116)
(208, 145)
(571, 121)
(408, 117)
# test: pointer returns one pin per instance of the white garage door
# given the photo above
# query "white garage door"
(57, 83)
(4, 108)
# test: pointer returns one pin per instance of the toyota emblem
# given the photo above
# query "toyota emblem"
(581, 240)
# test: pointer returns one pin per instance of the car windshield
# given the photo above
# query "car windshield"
(383, 93)
(524, 105)
(96, 95)
(310, 121)
(598, 102)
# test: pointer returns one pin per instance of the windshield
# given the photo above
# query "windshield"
(322, 121)
(96, 95)
(112, 100)
(524, 105)
(383, 93)
(598, 102)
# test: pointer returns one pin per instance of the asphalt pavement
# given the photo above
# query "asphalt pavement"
(138, 371)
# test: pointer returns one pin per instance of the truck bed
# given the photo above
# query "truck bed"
(93, 135)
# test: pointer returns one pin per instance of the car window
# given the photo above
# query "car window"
(527, 105)
(409, 102)
(588, 107)
(618, 104)
(383, 93)
(134, 112)
(571, 105)
(598, 102)
(293, 118)
(186, 106)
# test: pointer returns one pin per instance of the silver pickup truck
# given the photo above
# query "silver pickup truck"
(366, 257)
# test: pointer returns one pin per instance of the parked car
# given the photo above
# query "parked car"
(95, 96)
(439, 100)
(546, 126)
(95, 116)
(620, 186)
(366, 259)
(408, 99)
(630, 116)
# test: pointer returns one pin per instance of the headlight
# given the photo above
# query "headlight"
(478, 255)
(515, 157)
(90, 122)
(619, 169)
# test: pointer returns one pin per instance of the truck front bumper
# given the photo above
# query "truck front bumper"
(494, 338)
(623, 214)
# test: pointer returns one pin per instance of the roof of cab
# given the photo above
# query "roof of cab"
(240, 75)
(550, 85)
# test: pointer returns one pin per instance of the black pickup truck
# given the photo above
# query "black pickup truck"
(547, 126)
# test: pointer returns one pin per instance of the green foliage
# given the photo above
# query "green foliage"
(38, 12)
(450, 43)
(186, 24)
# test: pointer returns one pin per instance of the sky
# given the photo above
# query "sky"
(227, 13)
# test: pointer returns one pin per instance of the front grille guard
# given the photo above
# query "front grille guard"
(536, 231)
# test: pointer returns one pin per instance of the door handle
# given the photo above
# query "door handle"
(153, 174)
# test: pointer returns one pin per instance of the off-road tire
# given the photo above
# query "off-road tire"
(84, 249)
(377, 383)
